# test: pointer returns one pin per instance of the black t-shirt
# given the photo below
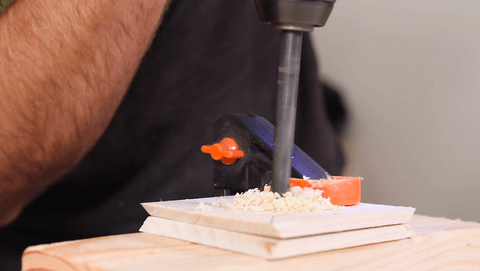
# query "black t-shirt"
(208, 59)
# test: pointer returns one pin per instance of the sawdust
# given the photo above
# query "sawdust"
(202, 206)
(321, 183)
(297, 200)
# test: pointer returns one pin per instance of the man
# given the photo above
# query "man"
(103, 107)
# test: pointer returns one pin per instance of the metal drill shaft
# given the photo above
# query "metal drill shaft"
(286, 108)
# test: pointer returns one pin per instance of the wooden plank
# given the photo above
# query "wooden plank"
(440, 244)
(272, 248)
(278, 225)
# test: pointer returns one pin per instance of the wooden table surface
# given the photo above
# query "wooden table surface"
(440, 244)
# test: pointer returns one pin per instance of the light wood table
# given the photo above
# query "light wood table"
(440, 244)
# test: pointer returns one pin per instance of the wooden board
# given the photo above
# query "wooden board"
(272, 248)
(278, 225)
(440, 244)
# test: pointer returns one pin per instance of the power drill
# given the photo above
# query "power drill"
(292, 17)
(253, 139)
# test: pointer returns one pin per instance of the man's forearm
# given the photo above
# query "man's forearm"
(65, 66)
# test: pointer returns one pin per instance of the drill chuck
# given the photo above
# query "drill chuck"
(300, 15)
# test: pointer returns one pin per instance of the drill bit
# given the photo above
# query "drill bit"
(286, 108)
(292, 17)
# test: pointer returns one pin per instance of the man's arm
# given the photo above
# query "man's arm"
(65, 66)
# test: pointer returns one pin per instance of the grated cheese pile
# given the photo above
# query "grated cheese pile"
(298, 200)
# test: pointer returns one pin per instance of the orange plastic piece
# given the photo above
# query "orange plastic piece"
(345, 191)
(227, 151)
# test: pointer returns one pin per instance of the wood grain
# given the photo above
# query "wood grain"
(272, 248)
(278, 225)
(440, 244)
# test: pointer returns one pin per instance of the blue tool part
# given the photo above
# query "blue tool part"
(301, 162)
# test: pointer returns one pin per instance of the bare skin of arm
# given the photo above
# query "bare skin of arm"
(65, 66)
